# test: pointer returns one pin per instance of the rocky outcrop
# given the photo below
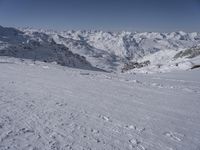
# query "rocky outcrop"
(188, 53)
(133, 65)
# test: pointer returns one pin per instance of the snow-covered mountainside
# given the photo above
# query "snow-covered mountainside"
(49, 107)
(38, 47)
(110, 50)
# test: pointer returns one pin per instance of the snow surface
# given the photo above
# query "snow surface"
(164, 61)
(49, 107)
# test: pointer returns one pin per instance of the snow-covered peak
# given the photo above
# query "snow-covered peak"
(110, 50)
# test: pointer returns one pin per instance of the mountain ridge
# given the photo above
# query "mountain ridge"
(39, 47)
(111, 50)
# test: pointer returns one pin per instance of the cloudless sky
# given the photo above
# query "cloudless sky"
(131, 15)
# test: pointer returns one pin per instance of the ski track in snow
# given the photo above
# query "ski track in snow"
(47, 107)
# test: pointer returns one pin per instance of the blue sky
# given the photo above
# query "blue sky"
(132, 15)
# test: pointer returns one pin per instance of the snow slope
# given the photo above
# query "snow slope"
(38, 46)
(49, 107)
(164, 61)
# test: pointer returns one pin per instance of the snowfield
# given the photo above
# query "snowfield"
(49, 107)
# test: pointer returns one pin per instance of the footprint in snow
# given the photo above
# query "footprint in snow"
(138, 129)
(135, 143)
(132, 81)
(157, 85)
(174, 136)
(61, 104)
(107, 119)
(94, 131)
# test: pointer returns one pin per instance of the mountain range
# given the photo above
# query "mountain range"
(102, 50)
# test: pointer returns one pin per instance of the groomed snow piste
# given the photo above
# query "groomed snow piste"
(50, 107)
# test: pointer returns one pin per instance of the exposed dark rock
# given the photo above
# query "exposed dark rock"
(133, 65)
(189, 53)
(195, 66)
